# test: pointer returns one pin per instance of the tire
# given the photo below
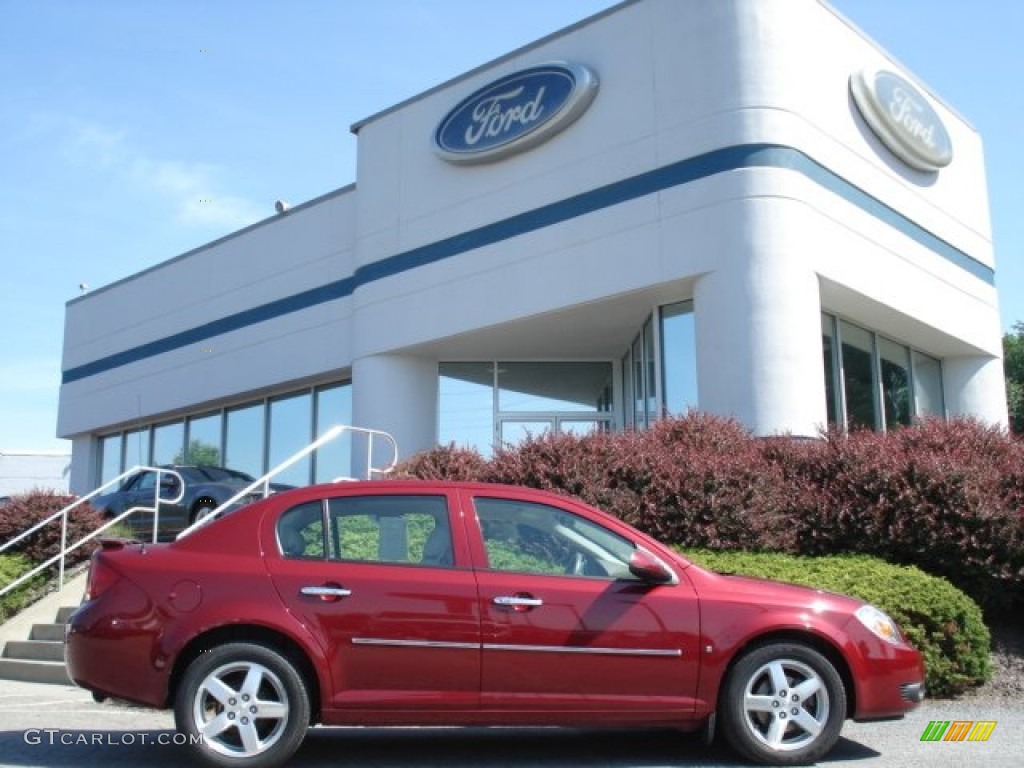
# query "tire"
(782, 704)
(217, 698)
(201, 510)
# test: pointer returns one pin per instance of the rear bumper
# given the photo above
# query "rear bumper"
(109, 654)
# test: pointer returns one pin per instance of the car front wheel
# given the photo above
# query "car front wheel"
(242, 705)
(783, 704)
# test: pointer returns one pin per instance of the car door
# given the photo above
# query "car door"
(565, 625)
(384, 582)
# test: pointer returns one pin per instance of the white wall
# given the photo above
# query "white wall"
(24, 471)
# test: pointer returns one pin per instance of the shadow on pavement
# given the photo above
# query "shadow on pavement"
(399, 748)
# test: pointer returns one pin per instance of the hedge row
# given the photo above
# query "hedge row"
(947, 497)
(943, 623)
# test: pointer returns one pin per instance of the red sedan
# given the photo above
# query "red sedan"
(430, 603)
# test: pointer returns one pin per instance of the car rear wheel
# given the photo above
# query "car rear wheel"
(783, 704)
(242, 705)
(203, 509)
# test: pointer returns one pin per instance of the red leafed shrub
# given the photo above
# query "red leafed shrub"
(446, 462)
(23, 511)
(945, 496)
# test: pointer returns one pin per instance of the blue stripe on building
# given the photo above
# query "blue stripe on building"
(667, 177)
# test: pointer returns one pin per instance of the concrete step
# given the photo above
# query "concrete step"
(64, 613)
(53, 672)
(51, 632)
(34, 650)
(40, 659)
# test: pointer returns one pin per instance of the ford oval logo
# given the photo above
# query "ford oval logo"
(902, 118)
(516, 112)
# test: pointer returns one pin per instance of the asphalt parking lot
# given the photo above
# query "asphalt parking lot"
(52, 725)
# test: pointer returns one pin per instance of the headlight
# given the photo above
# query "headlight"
(879, 624)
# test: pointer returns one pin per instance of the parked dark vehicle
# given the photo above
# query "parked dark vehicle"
(206, 488)
(425, 603)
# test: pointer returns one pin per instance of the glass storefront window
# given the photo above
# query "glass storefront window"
(518, 399)
(243, 438)
(875, 382)
(244, 444)
(894, 361)
(204, 440)
(169, 443)
(828, 351)
(515, 431)
(928, 385)
(333, 460)
(678, 357)
(291, 424)
(639, 390)
(466, 405)
(858, 376)
(136, 448)
(532, 387)
(110, 457)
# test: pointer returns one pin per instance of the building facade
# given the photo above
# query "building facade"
(742, 206)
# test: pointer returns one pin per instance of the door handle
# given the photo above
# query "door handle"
(326, 593)
(518, 602)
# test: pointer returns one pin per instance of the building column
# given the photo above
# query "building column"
(759, 353)
(396, 394)
(84, 464)
(975, 387)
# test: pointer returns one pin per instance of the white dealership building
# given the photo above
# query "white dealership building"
(742, 206)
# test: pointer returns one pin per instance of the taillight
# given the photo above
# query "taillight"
(101, 577)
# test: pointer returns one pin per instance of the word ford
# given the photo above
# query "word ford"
(490, 119)
(905, 109)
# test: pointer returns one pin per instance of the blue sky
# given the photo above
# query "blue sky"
(119, 117)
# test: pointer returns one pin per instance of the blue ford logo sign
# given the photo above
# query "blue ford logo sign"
(902, 118)
(516, 112)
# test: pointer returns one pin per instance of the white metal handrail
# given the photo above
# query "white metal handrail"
(331, 434)
(65, 549)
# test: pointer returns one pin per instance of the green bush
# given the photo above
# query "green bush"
(943, 623)
(11, 567)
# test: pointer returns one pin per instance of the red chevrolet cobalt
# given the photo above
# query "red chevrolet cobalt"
(431, 603)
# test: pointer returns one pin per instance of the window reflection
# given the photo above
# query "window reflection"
(291, 422)
(530, 387)
(333, 460)
(858, 378)
(136, 448)
(679, 357)
(204, 440)
(894, 360)
(828, 351)
(110, 457)
(244, 448)
(466, 405)
(878, 383)
(169, 443)
(928, 385)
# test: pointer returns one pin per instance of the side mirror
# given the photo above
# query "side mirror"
(650, 569)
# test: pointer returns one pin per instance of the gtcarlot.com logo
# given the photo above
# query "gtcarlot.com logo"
(55, 736)
(958, 730)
